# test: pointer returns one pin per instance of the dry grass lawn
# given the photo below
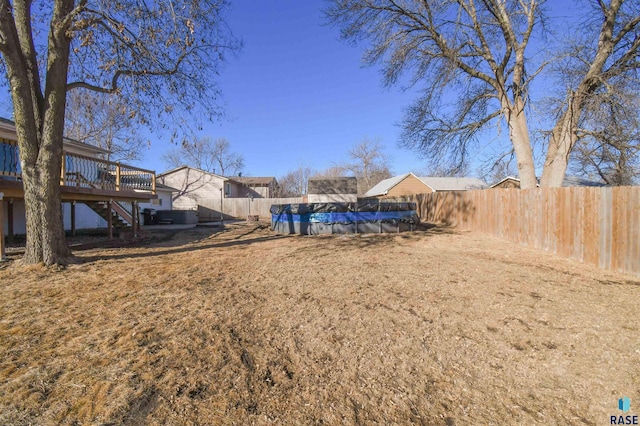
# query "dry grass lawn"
(240, 326)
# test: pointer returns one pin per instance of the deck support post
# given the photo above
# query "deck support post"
(134, 219)
(10, 220)
(73, 218)
(110, 219)
(2, 249)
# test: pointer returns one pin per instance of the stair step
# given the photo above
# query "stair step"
(102, 210)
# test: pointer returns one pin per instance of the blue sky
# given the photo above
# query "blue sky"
(298, 95)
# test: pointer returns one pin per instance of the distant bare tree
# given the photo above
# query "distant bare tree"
(450, 171)
(333, 171)
(206, 154)
(100, 120)
(608, 147)
(495, 169)
(369, 164)
(295, 182)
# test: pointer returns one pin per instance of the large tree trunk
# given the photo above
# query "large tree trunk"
(46, 241)
(41, 160)
(39, 125)
(519, 135)
(563, 136)
(561, 143)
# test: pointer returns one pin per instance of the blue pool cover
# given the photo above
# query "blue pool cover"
(340, 218)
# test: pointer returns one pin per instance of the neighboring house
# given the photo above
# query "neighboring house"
(508, 182)
(198, 190)
(258, 187)
(514, 182)
(332, 190)
(397, 186)
(164, 200)
(203, 191)
(410, 184)
(89, 186)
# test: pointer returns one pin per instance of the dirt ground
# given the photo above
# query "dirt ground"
(242, 326)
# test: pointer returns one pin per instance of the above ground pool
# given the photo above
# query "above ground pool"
(343, 218)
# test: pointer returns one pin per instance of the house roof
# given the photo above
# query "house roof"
(566, 182)
(254, 180)
(504, 180)
(8, 130)
(384, 186)
(435, 183)
(168, 172)
(578, 181)
(241, 180)
(337, 185)
(163, 187)
(452, 183)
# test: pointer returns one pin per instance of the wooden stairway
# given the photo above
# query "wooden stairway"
(121, 219)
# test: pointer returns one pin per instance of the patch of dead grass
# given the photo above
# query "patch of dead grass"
(246, 327)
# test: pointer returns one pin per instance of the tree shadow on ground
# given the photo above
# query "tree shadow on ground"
(172, 242)
(180, 249)
(368, 240)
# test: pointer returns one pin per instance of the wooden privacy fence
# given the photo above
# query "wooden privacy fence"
(243, 207)
(599, 226)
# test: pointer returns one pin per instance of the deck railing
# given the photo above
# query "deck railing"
(84, 172)
(9, 160)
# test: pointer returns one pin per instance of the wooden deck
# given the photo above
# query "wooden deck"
(14, 189)
(83, 179)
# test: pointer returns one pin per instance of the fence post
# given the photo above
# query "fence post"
(117, 176)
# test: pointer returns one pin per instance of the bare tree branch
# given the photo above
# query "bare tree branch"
(213, 156)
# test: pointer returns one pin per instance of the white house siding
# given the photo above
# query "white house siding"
(85, 217)
(332, 198)
(195, 188)
(235, 190)
(259, 191)
(163, 202)
(19, 223)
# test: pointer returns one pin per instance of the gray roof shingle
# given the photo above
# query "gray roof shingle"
(338, 185)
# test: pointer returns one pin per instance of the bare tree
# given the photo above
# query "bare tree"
(476, 50)
(100, 120)
(333, 171)
(497, 168)
(206, 154)
(368, 164)
(295, 182)
(594, 68)
(608, 147)
(154, 56)
(456, 171)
